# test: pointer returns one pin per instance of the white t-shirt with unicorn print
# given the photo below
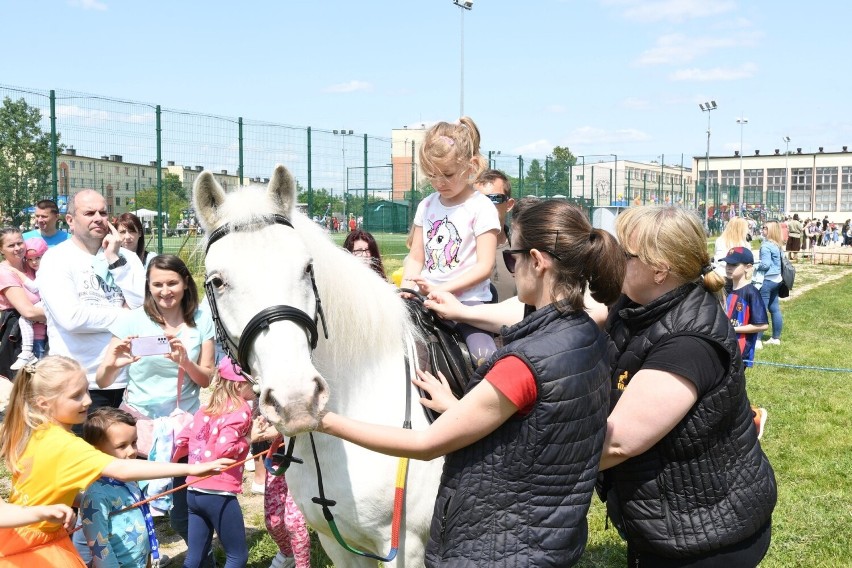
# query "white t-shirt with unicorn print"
(449, 240)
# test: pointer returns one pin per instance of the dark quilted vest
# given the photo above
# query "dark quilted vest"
(519, 496)
(707, 484)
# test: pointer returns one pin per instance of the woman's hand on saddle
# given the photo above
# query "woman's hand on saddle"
(438, 389)
(445, 304)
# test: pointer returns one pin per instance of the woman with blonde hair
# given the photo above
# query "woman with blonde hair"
(684, 478)
(734, 235)
(768, 271)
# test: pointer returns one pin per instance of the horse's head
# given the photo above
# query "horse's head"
(260, 286)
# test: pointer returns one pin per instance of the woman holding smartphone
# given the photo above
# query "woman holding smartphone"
(170, 309)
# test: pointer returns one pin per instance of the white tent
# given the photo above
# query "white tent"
(145, 213)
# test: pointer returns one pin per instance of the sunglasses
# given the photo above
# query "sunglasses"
(509, 257)
(497, 198)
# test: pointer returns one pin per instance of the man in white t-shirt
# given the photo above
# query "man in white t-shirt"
(85, 283)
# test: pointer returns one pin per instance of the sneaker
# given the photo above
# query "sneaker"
(258, 488)
(773, 341)
(24, 359)
(758, 345)
(165, 560)
(281, 561)
(760, 417)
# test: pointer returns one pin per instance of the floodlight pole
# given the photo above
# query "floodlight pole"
(707, 107)
(463, 5)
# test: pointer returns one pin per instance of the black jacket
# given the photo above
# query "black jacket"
(707, 484)
(519, 496)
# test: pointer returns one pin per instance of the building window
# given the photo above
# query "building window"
(73, 165)
(118, 202)
(73, 182)
(753, 188)
(126, 171)
(846, 188)
(826, 189)
(776, 190)
(800, 189)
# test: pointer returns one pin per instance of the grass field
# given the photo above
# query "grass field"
(809, 405)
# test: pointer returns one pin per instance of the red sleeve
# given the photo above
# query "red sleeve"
(511, 376)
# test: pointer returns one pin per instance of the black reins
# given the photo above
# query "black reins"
(267, 316)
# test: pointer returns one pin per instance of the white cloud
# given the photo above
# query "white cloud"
(88, 5)
(555, 109)
(676, 11)
(349, 87)
(537, 148)
(680, 48)
(90, 116)
(695, 74)
(590, 135)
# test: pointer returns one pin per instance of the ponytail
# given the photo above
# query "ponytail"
(47, 378)
(605, 266)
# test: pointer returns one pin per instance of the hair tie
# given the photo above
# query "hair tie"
(592, 236)
(706, 269)
(447, 139)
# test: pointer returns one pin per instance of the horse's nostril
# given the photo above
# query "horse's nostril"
(319, 387)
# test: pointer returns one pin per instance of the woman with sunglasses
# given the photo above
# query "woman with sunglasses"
(523, 445)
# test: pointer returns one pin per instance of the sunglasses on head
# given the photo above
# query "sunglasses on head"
(509, 257)
(497, 198)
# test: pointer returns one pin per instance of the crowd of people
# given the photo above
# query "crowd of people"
(605, 362)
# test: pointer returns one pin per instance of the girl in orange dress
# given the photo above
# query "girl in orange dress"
(50, 465)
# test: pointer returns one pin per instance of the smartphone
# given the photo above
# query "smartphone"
(150, 345)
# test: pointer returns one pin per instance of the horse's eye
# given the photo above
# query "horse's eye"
(216, 281)
(309, 268)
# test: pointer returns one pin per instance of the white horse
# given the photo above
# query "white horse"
(359, 371)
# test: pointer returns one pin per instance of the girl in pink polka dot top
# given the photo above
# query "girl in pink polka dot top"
(220, 429)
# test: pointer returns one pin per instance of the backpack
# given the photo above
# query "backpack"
(788, 276)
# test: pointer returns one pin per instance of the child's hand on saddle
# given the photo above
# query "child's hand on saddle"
(407, 283)
(423, 286)
(438, 389)
(206, 468)
(445, 304)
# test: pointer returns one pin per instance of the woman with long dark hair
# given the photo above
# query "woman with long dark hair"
(362, 244)
(133, 236)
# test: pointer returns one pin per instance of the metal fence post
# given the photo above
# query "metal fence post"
(521, 176)
(413, 183)
(159, 182)
(240, 169)
(366, 169)
(53, 151)
(310, 185)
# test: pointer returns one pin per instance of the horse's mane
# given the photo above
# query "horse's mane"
(364, 314)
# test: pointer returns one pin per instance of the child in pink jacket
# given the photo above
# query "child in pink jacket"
(220, 429)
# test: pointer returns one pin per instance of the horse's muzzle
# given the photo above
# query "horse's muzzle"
(294, 411)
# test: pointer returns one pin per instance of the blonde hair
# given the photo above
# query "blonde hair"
(735, 232)
(668, 238)
(225, 397)
(773, 232)
(452, 147)
(47, 379)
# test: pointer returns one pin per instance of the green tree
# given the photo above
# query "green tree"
(559, 170)
(534, 180)
(174, 198)
(25, 159)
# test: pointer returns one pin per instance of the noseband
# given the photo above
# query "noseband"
(266, 316)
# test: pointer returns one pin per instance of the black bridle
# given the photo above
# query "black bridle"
(266, 316)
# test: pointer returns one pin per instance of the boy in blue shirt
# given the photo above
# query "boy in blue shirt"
(112, 539)
(746, 311)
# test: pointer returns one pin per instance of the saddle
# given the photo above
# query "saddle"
(440, 349)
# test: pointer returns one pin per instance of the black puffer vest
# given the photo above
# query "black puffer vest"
(519, 496)
(707, 484)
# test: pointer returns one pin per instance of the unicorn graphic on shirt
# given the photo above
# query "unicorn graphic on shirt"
(442, 246)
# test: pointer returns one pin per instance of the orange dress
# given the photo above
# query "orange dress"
(55, 466)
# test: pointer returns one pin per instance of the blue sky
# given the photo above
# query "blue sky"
(598, 76)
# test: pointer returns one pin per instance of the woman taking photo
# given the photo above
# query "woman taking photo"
(171, 309)
(685, 480)
(532, 420)
(16, 300)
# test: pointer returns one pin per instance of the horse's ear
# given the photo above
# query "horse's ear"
(282, 189)
(208, 196)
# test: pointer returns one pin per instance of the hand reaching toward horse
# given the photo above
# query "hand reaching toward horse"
(445, 304)
(437, 388)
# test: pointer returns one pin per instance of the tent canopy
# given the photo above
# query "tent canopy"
(145, 213)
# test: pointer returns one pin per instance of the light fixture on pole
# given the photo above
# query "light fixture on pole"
(742, 121)
(786, 172)
(707, 107)
(463, 5)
